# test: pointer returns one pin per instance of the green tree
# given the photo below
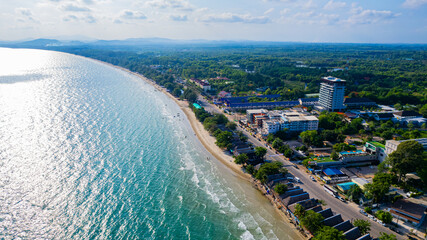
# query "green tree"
(363, 225)
(334, 155)
(268, 169)
(241, 158)
(384, 216)
(312, 221)
(340, 147)
(354, 193)
(231, 125)
(379, 186)
(260, 152)
(299, 210)
(277, 143)
(250, 169)
(423, 110)
(311, 138)
(329, 233)
(408, 157)
(270, 138)
(176, 92)
(190, 95)
(224, 139)
(280, 188)
(385, 236)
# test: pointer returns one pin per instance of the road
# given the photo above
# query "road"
(348, 210)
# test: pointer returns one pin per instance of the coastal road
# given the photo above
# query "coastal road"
(348, 210)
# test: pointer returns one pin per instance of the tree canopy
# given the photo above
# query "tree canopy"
(408, 157)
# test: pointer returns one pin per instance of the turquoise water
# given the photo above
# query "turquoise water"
(88, 151)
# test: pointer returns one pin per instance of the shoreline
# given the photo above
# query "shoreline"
(208, 142)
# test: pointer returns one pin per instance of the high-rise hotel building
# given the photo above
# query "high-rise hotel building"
(332, 94)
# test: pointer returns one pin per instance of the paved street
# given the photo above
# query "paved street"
(348, 211)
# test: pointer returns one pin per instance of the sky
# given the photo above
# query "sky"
(362, 21)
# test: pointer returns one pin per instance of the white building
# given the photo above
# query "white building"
(391, 145)
(293, 121)
(299, 122)
(332, 94)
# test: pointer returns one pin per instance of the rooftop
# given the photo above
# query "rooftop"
(407, 114)
(409, 208)
(377, 144)
(357, 100)
(333, 79)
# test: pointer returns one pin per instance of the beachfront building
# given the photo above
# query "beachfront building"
(332, 94)
(293, 121)
(391, 145)
(299, 122)
(203, 84)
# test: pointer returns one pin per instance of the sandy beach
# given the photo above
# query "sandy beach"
(205, 138)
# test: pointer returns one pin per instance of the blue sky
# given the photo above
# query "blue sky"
(365, 21)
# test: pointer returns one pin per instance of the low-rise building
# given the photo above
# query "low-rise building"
(359, 102)
(408, 211)
(308, 101)
(377, 149)
(383, 116)
(299, 122)
(358, 157)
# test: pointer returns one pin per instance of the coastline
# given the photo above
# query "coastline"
(208, 142)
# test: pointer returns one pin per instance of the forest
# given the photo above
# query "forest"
(387, 74)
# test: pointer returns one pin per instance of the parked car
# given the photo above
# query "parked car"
(341, 198)
(312, 178)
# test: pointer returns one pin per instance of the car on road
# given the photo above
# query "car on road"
(312, 178)
(341, 198)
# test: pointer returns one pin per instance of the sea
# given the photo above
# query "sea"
(89, 151)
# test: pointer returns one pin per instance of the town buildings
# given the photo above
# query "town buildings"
(293, 121)
(332, 94)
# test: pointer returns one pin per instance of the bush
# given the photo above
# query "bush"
(386, 217)
(368, 210)
(280, 188)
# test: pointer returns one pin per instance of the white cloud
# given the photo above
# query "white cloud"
(331, 5)
(74, 8)
(73, 18)
(269, 11)
(129, 14)
(174, 4)
(309, 4)
(235, 18)
(284, 1)
(285, 11)
(414, 3)
(368, 16)
(178, 18)
(25, 15)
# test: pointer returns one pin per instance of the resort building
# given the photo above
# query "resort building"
(391, 145)
(293, 121)
(332, 94)
(204, 84)
(299, 122)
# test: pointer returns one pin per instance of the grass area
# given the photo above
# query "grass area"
(377, 144)
(322, 159)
